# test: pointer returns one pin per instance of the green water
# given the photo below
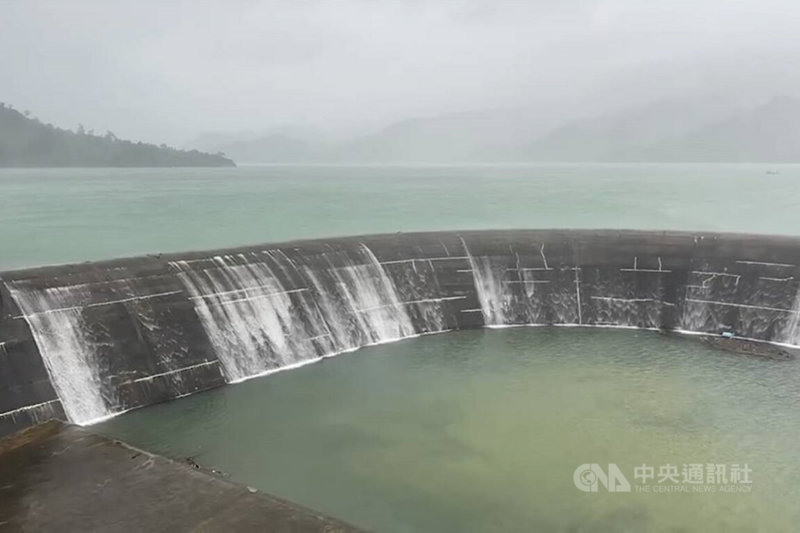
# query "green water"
(72, 215)
(482, 430)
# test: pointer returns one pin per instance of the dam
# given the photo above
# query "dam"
(85, 342)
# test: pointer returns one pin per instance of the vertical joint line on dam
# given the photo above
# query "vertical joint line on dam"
(578, 293)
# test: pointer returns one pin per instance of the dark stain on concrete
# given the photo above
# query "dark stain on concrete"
(58, 477)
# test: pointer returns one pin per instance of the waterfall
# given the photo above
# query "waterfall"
(358, 300)
(491, 291)
(706, 286)
(104, 340)
(372, 299)
(259, 321)
(344, 334)
(525, 289)
(489, 286)
(791, 332)
(417, 286)
(56, 322)
(251, 319)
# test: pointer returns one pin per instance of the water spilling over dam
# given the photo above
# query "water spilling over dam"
(86, 341)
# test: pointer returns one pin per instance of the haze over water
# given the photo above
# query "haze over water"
(52, 216)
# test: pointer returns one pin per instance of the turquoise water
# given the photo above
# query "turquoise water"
(482, 431)
(71, 215)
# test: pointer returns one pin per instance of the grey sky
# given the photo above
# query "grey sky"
(169, 70)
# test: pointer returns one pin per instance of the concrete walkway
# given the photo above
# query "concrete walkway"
(58, 477)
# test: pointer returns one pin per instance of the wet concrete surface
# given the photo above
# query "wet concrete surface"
(147, 340)
(61, 478)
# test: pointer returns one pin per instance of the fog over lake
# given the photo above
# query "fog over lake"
(417, 81)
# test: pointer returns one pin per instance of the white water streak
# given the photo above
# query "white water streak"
(791, 333)
(256, 325)
(489, 288)
(247, 314)
(68, 354)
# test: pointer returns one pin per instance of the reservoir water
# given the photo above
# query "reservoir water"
(52, 216)
(483, 430)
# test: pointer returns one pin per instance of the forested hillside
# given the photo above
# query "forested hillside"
(27, 142)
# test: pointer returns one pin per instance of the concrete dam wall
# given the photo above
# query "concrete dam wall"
(87, 341)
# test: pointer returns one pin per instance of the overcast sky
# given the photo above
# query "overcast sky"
(167, 70)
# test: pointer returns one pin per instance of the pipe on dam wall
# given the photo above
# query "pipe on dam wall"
(86, 341)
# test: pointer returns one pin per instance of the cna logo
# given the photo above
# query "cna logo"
(588, 477)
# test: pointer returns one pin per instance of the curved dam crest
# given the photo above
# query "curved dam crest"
(87, 341)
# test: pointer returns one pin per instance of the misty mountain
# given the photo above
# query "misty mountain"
(491, 135)
(768, 133)
(27, 142)
(271, 148)
(458, 137)
(210, 141)
(678, 129)
(617, 136)
(673, 130)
